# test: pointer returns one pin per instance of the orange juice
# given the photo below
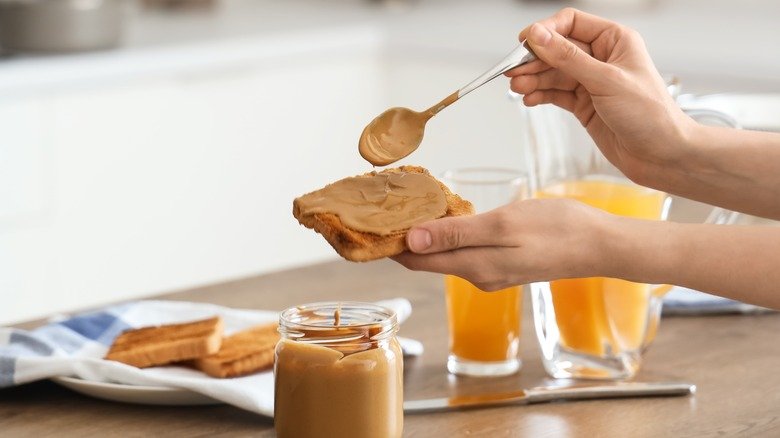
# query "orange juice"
(484, 326)
(601, 316)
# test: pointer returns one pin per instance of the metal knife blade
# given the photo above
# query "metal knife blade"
(549, 394)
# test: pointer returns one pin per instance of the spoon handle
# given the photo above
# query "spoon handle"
(522, 54)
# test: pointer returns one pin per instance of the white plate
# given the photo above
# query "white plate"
(147, 395)
(167, 395)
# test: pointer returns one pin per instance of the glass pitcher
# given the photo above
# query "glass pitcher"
(595, 327)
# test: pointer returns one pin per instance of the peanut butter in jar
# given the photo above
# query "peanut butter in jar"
(339, 372)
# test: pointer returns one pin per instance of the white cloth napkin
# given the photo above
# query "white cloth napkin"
(75, 346)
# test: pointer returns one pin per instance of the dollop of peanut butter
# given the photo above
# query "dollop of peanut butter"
(392, 135)
(397, 132)
(380, 203)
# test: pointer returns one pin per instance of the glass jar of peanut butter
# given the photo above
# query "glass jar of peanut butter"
(339, 372)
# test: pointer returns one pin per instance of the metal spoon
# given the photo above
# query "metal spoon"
(399, 131)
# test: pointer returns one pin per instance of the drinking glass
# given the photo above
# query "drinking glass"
(593, 327)
(484, 327)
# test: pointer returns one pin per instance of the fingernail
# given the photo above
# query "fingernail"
(539, 35)
(419, 240)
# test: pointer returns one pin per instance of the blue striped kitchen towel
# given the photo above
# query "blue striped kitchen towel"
(75, 347)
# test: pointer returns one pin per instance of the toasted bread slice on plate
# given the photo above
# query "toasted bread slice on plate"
(360, 246)
(150, 346)
(242, 353)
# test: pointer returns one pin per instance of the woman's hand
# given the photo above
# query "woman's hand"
(601, 72)
(550, 239)
(526, 241)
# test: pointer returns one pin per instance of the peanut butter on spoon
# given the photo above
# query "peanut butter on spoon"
(397, 132)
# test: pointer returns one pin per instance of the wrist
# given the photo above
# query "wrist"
(680, 171)
(643, 251)
(684, 142)
(606, 246)
(693, 137)
(669, 153)
(611, 246)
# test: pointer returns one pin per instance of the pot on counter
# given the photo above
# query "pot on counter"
(59, 25)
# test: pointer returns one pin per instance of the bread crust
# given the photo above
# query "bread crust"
(360, 246)
(161, 345)
(245, 352)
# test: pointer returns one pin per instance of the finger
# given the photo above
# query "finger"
(549, 80)
(451, 233)
(470, 263)
(576, 24)
(577, 102)
(442, 263)
(560, 53)
(562, 99)
(538, 66)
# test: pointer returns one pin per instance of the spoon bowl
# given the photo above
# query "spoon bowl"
(398, 132)
(392, 135)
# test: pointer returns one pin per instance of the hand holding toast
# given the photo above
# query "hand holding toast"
(522, 242)
(551, 239)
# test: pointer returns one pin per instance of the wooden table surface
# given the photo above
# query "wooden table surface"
(734, 361)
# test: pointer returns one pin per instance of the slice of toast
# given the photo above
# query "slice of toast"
(150, 346)
(360, 246)
(245, 352)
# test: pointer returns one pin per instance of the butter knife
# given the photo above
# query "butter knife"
(550, 394)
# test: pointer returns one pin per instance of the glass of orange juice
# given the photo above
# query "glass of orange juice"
(484, 327)
(591, 327)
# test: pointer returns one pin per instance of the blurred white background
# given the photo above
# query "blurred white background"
(172, 160)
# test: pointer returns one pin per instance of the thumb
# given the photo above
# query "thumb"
(558, 52)
(451, 233)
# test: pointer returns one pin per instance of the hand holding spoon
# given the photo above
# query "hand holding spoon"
(398, 131)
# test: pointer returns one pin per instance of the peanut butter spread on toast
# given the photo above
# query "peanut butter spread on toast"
(379, 203)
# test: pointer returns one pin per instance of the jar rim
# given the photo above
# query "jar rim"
(315, 322)
(375, 314)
